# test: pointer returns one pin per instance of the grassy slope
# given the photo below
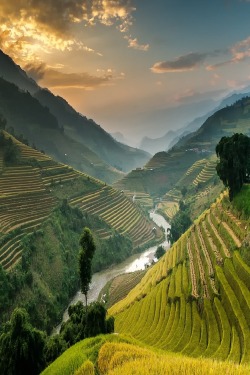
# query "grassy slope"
(196, 299)
(193, 303)
(119, 354)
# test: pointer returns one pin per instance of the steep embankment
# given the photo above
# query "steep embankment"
(166, 168)
(196, 299)
(43, 207)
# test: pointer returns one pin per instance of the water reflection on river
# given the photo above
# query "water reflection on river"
(134, 263)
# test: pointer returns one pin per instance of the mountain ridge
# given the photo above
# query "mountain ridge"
(76, 126)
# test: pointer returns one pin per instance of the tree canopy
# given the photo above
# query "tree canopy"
(233, 167)
(21, 346)
(85, 260)
(160, 251)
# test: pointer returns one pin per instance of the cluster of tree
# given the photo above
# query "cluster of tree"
(26, 350)
(55, 265)
(233, 167)
(28, 110)
(11, 151)
(180, 223)
(160, 251)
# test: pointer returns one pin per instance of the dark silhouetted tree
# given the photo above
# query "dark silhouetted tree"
(233, 167)
(85, 261)
(160, 251)
(21, 346)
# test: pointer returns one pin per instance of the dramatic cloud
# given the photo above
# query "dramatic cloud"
(58, 15)
(57, 79)
(30, 26)
(181, 64)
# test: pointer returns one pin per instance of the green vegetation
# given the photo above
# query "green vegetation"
(86, 254)
(234, 165)
(21, 346)
(119, 354)
(179, 223)
(83, 323)
(39, 232)
(121, 213)
(242, 201)
(160, 251)
(195, 300)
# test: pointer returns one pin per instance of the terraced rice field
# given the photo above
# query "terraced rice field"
(24, 204)
(27, 152)
(25, 198)
(141, 198)
(207, 172)
(121, 285)
(168, 208)
(119, 212)
(173, 195)
(196, 299)
(120, 354)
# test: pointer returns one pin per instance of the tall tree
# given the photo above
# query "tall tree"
(85, 261)
(233, 167)
(21, 346)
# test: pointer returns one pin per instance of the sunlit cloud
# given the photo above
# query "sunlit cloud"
(29, 27)
(240, 51)
(56, 79)
(133, 43)
(180, 64)
(50, 77)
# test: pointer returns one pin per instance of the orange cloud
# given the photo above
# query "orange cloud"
(30, 26)
(180, 64)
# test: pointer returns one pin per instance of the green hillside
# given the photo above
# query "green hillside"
(190, 313)
(43, 207)
(195, 300)
(165, 169)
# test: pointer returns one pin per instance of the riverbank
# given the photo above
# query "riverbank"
(133, 263)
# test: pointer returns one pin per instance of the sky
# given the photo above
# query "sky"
(139, 67)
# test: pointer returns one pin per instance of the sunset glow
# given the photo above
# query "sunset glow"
(121, 62)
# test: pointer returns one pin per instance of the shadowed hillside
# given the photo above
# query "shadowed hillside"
(78, 130)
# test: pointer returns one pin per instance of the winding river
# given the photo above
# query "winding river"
(134, 263)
